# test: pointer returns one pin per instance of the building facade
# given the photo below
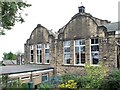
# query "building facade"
(84, 39)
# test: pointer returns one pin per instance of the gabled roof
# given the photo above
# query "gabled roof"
(115, 26)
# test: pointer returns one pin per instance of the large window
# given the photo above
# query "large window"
(94, 51)
(31, 53)
(79, 52)
(67, 52)
(39, 53)
(46, 53)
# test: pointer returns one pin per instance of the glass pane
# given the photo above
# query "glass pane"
(77, 42)
(92, 41)
(31, 51)
(95, 48)
(95, 57)
(38, 51)
(44, 78)
(47, 58)
(96, 41)
(38, 58)
(31, 47)
(82, 48)
(46, 50)
(95, 61)
(39, 46)
(67, 43)
(67, 49)
(82, 42)
(82, 58)
(68, 61)
(48, 61)
(67, 58)
(76, 49)
(46, 45)
(31, 58)
(77, 58)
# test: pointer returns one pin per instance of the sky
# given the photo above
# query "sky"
(53, 14)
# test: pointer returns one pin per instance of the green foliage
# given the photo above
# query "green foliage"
(112, 81)
(9, 56)
(52, 83)
(13, 84)
(45, 85)
(94, 76)
(68, 77)
(70, 84)
(10, 13)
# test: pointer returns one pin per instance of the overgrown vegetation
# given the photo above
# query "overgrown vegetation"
(12, 84)
(112, 81)
(10, 12)
(96, 77)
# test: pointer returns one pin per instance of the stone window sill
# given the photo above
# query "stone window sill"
(73, 65)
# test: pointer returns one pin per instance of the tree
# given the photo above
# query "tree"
(9, 56)
(10, 12)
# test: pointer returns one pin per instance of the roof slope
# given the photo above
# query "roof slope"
(115, 26)
(23, 68)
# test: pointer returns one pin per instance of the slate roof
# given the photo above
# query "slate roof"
(23, 69)
(115, 26)
(9, 62)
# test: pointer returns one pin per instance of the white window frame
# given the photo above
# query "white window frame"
(43, 75)
(80, 40)
(40, 48)
(93, 51)
(46, 46)
(65, 46)
(31, 48)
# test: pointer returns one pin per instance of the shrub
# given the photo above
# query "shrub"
(93, 78)
(70, 84)
(52, 83)
(68, 77)
(112, 81)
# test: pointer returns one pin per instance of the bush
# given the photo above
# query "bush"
(52, 83)
(70, 84)
(68, 77)
(112, 81)
(93, 78)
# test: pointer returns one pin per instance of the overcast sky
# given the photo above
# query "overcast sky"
(53, 14)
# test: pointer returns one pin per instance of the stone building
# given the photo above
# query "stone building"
(84, 39)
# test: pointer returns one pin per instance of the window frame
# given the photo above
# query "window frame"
(79, 46)
(91, 61)
(39, 54)
(66, 45)
(48, 47)
(43, 75)
(31, 48)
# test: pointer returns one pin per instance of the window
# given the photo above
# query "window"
(94, 51)
(39, 53)
(67, 52)
(31, 53)
(44, 77)
(47, 53)
(79, 52)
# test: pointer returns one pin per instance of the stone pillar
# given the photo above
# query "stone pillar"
(87, 50)
(72, 52)
(34, 53)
